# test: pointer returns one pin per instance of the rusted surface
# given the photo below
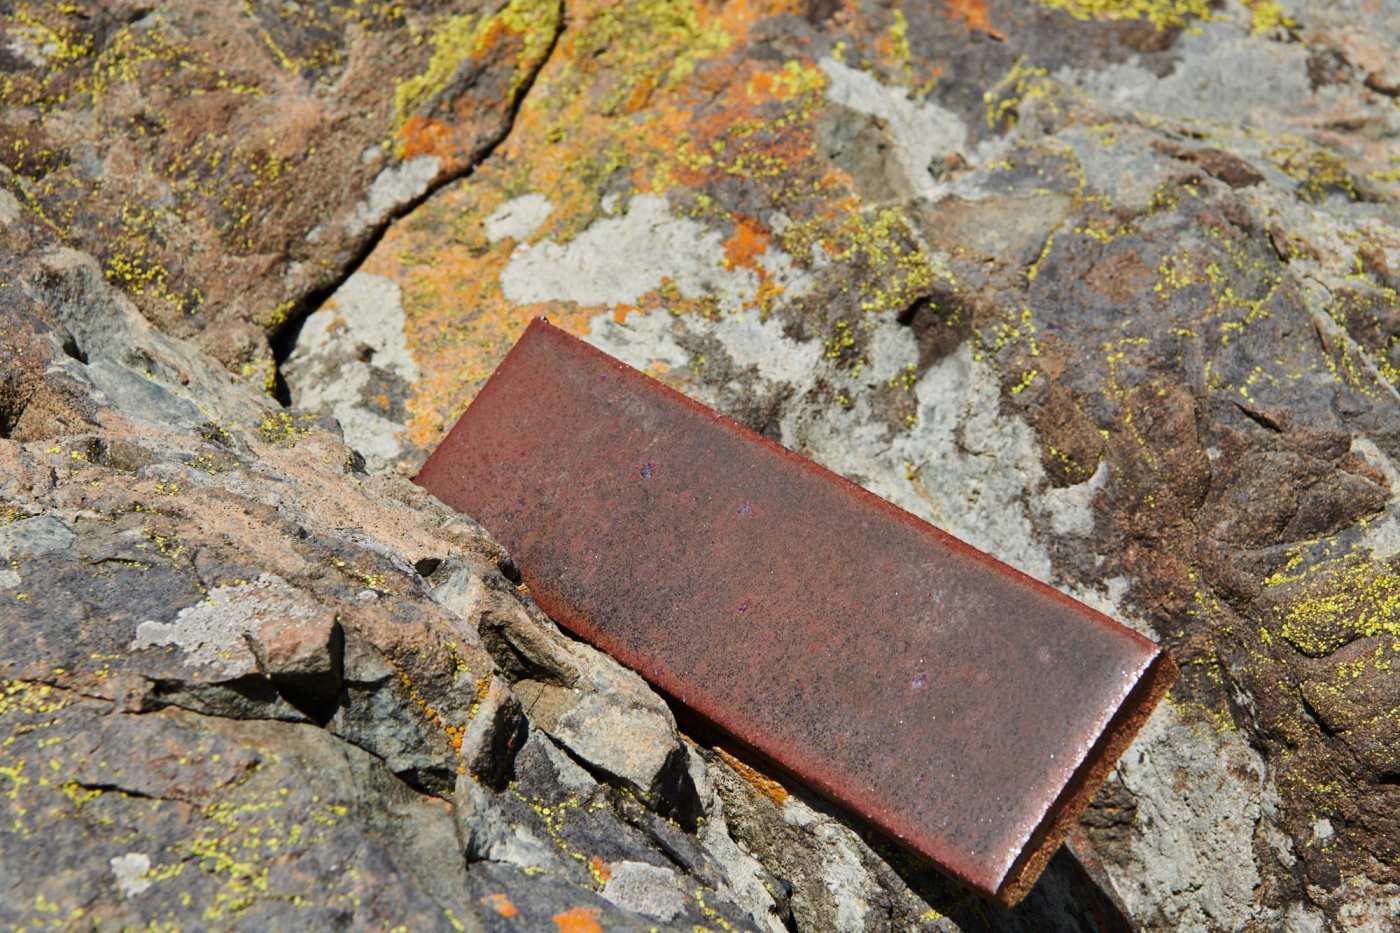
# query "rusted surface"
(962, 707)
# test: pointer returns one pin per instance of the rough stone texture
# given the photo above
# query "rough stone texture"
(227, 161)
(1106, 289)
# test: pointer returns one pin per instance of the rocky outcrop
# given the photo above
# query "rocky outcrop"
(227, 162)
(1108, 290)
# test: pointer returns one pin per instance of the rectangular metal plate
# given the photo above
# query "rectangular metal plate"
(959, 705)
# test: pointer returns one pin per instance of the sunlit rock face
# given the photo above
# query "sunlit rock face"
(1107, 290)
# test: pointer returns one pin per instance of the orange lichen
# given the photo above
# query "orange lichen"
(750, 240)
(600, 869)
(453, 733)
(501, 904)
(759, 782)
(973, 14)
(578, 920)
(705, 119)
(459, 324)
(421, 136)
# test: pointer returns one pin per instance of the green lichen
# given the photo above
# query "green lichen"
(1022, 83)
(453, 42)
(899, 45)
(1319, 173)
(284, 429)
(882, 246)
(1266, 15)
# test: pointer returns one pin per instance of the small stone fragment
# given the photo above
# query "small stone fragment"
(494, 736)
(646, 889)
(303, 656)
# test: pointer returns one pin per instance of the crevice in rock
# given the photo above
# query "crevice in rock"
(109, 788)
(412, 778)
(72, 350)
(429, 782)
(1260, 418)
(284, 338)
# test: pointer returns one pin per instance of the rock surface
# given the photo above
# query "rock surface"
(1106, 289)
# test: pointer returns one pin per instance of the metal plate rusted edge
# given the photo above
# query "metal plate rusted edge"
(500, 418)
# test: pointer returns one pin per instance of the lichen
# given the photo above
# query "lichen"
(462, 37)
(1162, 14)
(658, 43)
(285, 428)
(1023, 82)
(1337, 602)
(1267, 15)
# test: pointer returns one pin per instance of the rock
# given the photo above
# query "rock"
(304, 657)
(245, 571)
(350, 361)
(255, 822)
(501, 828)
(604, 714)
(494, 735)
(524, 645)
(644, 889)
(223, 163)
(35, 537)
(1106, 292)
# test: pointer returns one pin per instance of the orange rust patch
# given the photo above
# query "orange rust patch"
(421, 136)
(578, 920)
(759, 782)
(973, 14)
(500, 904)
(750, 240)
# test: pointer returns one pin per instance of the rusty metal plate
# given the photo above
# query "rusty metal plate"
(962, 707)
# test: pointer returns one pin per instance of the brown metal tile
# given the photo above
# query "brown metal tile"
(962, 707)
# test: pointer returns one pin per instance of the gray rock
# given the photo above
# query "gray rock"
(604, 714)
(35, 537)
(352, 363)
(645, 889)
(494, 735)
(501, 828)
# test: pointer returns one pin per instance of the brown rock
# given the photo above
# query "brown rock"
(303, 656)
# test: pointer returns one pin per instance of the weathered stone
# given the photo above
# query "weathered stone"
(303, 657)
(602, 713)
(644, 889)
(494, 735)
(350, 361)
(215, 822)
(225, 161)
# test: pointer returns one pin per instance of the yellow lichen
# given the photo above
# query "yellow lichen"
(1163, 14)
(464, 36)
(1266, 15)
(1339, 601)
